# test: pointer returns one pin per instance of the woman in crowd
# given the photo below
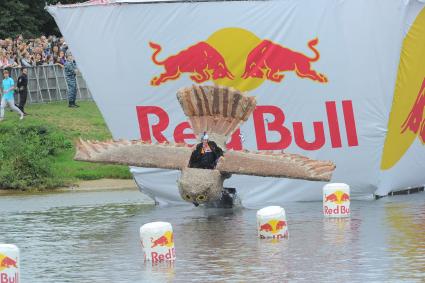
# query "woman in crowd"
(61, 59)
(4, 63)
(49, 60)
(55, 50)
(38, 59)
(11, 60)
(26, 61)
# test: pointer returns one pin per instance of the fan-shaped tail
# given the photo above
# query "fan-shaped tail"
(217, 110)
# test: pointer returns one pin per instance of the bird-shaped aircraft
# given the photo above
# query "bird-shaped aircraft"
(218, 111)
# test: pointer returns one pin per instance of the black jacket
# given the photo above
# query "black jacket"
(209, 161)
(23, 83)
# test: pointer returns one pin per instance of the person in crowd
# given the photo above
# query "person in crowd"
(71, 80)
(55, 50)
(11, 60)
(64, 47)
(8, 87)
(49, 60)
(206, 154)
(23, 89)
(56, 60)
(38, 59)
(4, 63)
(26, 60)
(61, 59)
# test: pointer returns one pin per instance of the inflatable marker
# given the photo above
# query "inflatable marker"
(336, 200)
(9, 263)
(157, 242)
(272, 223)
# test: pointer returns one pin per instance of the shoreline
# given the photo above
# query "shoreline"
(84, 186)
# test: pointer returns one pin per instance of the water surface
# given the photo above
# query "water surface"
(93, 237)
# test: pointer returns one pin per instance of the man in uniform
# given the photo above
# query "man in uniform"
(71, 80)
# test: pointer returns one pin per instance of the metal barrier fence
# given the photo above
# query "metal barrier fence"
(47, 84)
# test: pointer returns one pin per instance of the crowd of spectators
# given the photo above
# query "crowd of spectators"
(21, 52)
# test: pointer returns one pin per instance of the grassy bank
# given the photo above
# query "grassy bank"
(58, 126)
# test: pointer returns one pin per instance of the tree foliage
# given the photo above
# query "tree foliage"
(28, 17)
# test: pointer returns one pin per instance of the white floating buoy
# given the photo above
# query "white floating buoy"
(157, 241)
(336, 200)
(9, 263)
(271, 222)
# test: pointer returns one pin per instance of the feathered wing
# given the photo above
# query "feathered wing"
(134, 153)
(282, 165)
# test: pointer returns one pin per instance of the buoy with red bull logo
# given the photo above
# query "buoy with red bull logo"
(9, 263)
(271, 223)
(336, 200)
(157, 242)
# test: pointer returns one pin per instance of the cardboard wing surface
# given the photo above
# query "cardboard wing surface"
(281, 165)
(134, 153)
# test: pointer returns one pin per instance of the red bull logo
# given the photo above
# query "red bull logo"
(415, 121)
(201, 60)
(165, 241)
(337, 197)
(336, 204)
(277, 228)
(237, 58)
(269, 59)
(7, 263)
(406, 122)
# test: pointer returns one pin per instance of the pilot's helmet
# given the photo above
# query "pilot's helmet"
(205, 137)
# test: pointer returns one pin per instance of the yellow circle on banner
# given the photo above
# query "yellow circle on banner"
(234, 44)
(411, 74)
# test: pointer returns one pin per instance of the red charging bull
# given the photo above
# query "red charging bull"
(415, 122)
(202, 61)
(269, 59)
(336, 200)
(157, 240)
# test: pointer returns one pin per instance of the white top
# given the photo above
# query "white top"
(270, 210)
(155, 226)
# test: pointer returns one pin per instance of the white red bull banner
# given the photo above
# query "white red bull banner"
(324, 74)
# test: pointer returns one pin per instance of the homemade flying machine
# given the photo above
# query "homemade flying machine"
(219, 111)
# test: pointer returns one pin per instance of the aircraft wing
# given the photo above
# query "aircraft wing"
(282, 165)
(134, 153)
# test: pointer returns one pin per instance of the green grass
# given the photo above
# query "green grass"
(85, 122)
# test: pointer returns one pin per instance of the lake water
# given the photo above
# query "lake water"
(94, 237)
